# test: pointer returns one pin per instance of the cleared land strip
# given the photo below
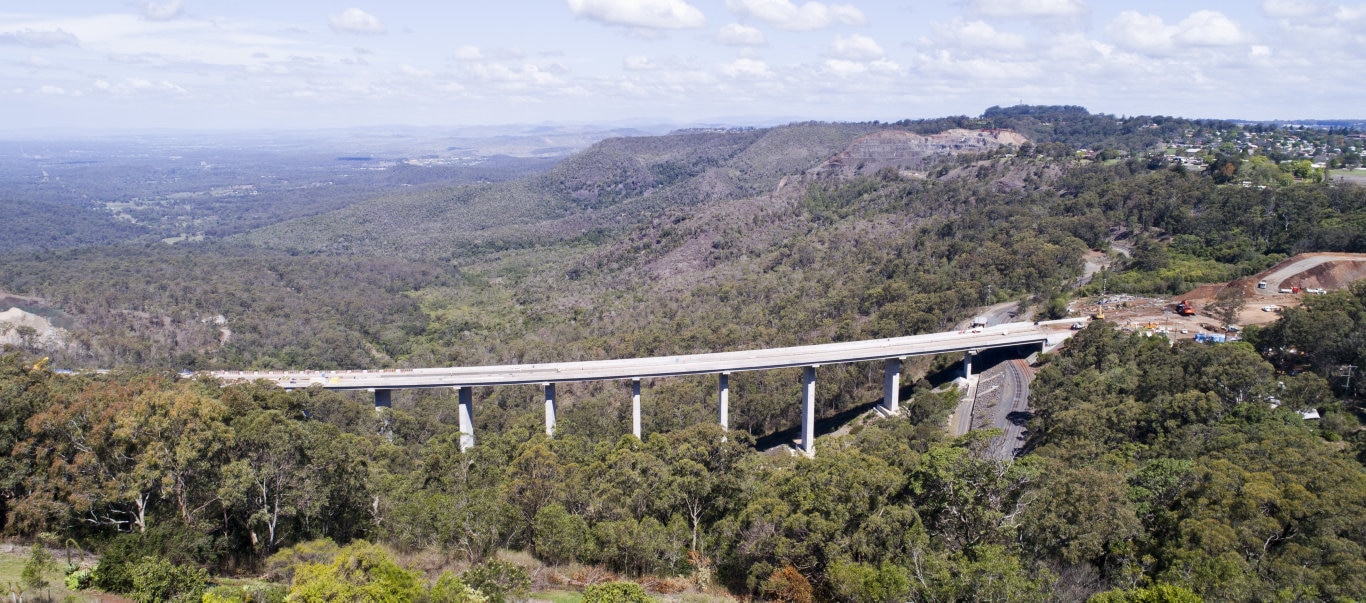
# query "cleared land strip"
(663, 366)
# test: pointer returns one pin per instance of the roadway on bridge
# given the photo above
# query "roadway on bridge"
(664, 366)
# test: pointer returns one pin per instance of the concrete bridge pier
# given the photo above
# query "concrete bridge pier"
(967, 363)
(723, 393)
(809, 410)
(466, 418)
(549, 408)
(891, 386)
(383, 398)
(635, 408)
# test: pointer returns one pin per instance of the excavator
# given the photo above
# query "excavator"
(1185, 308)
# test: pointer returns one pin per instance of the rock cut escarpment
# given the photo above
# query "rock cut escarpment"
(910, 151)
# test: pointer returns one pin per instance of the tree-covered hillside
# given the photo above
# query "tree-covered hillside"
(505, 273)
(1151, 470)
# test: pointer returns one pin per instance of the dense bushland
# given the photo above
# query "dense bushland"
(1149, 464)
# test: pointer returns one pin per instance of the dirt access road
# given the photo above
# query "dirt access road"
(1308, 271)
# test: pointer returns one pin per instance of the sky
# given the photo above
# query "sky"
(256, 64)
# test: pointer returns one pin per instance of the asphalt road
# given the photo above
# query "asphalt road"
(1012, 411)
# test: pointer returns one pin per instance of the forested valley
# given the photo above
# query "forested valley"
(1151, 471)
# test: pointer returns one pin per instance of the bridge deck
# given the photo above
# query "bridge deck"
(661, 366)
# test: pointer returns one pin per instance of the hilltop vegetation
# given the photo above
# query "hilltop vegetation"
(1151, 469)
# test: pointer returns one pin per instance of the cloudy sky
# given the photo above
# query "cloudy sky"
(210, 64)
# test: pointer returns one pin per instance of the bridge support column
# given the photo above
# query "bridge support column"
(382, 398)
(891, 385)
(549, 408)
(809, 410)
(466, 418)
(723, 394)
(967, 363)
(635, 408)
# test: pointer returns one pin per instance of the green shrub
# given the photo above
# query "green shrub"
(498, 580)
(1158, 593)
(360, 572)
(859, 582)
(39, 563)
(247, 593)
(280, 566)
(224, 594)
(450, 589)
(615, 592)
(111, 574)
(265, 593)
(560, 536)
(155, 579)
(78, 580)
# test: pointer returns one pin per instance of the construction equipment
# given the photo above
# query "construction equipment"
(1185, 308)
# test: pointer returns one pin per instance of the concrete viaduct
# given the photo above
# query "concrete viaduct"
(891, 351)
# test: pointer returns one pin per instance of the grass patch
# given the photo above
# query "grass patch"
(11, 571)
(1356, 175)
(557, 596)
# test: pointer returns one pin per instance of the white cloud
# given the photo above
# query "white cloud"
(652, 14)
(783, 14)
(162, 11)
(974, 35)
(468, 53)
(856, 48)
(1209, 28)
(520, 77)
(735, 34)
(37, 62)
(1291, 9)
(1351, 13)
(749, 69)
(39, 38)
(53, 90)
(134, 85)
(843, 68)
(1076, 48)
(638, 63)
(411, 71)
(1149, 34)
(356, 21)
(1140, 32)
(1033, 9)
(976, 69)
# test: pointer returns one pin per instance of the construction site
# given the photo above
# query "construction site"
(1265, 295)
